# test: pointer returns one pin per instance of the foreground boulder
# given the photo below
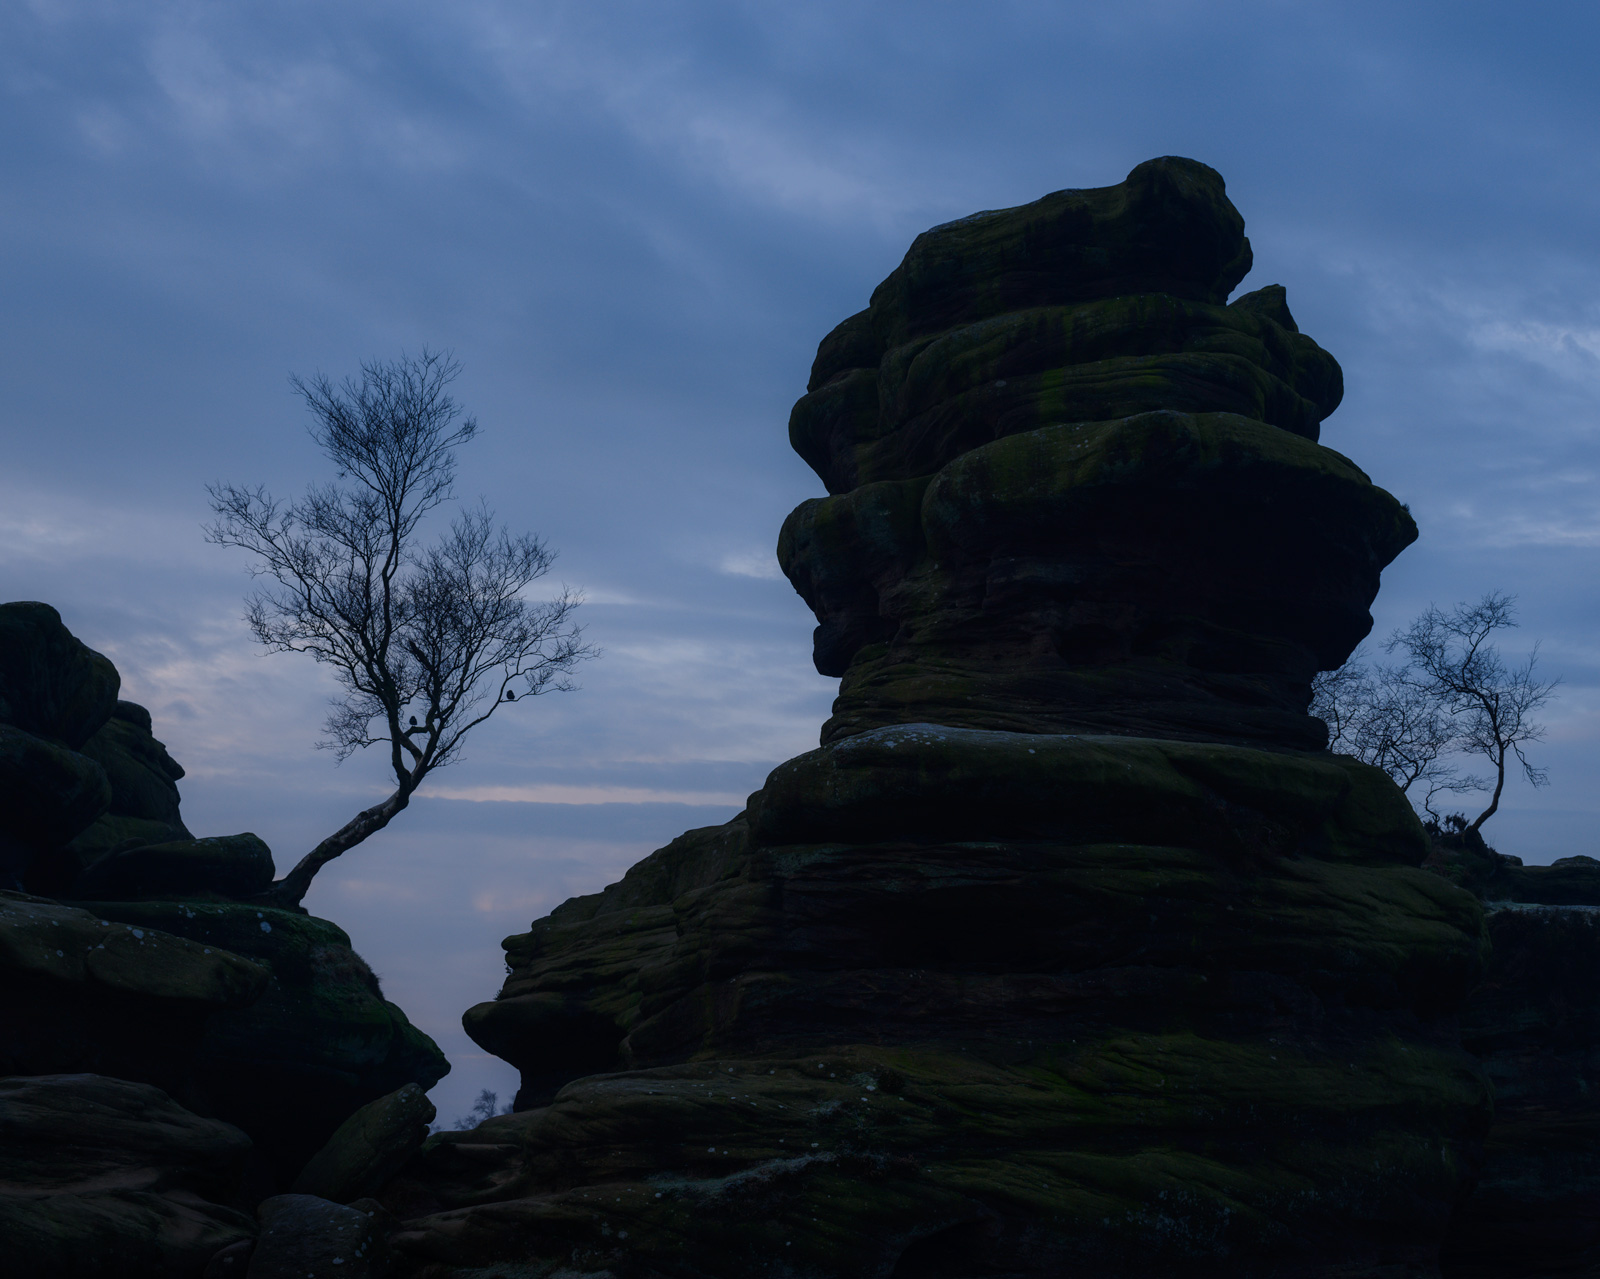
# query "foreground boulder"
(304, 1237)
(265, 1018)
(1069, 952)
(81, 993)
(319, 1043)
(369, 1147)
(105, 1179)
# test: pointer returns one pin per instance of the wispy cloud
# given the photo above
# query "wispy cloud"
(555, 793)
(752, 563)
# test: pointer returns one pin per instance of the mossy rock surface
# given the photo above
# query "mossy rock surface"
(319, 1043)
(234, 866)
(1049, 1004)
(1125, 521)
(80, 993)
(106, 1179)
(1119, 1155)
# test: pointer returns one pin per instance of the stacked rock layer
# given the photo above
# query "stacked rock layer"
(1073, 491)
(169, 1053)
(1069, 951)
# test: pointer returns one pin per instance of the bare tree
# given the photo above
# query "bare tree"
(426, 642)
(1453, 695)
(1383, 718)
(1453, 665)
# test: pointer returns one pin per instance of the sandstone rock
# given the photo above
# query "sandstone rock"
(148, 990)
(1144, 1011)
(102, 1177)
(369, 1147)
(1061, 955)
(79, 993)
(231, 1262)
(144, 791)
(1071, 491)
(1168, 229)
(319, 1043)
(238, 866)
(304, 1237)
(51, 684)
(1495, 877)
(1535, 1024)
(47, 795)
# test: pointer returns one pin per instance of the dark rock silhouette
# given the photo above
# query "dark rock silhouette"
(144, 791)
(238, 866)
(1068, 952)
(319, 1043)
(105, 1177)
(52, 684)
(79, 993)
(48, 794)
(1534, 1209)
(139, 963)
(55, 694)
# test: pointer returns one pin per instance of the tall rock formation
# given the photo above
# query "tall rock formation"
(1070, 951)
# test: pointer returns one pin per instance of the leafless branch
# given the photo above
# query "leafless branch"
(1452, 695)
(439, 636)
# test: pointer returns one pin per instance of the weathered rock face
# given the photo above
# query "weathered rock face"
(105, 1179)
(369, 1148)
(79, 993)
(1056, 957)
(47, 795)
(54, 694)
(157, 973)
(1535, 1024)
(144, 787)
(320, 1041)
(304, 1237)
(51, 684)
(238, 866)
(1073, 491)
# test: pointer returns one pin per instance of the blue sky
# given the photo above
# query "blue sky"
(632, 223)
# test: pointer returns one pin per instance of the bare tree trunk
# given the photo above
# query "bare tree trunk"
(1499, 785)
(287, 892)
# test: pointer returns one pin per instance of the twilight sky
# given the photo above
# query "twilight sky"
(632, 223)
